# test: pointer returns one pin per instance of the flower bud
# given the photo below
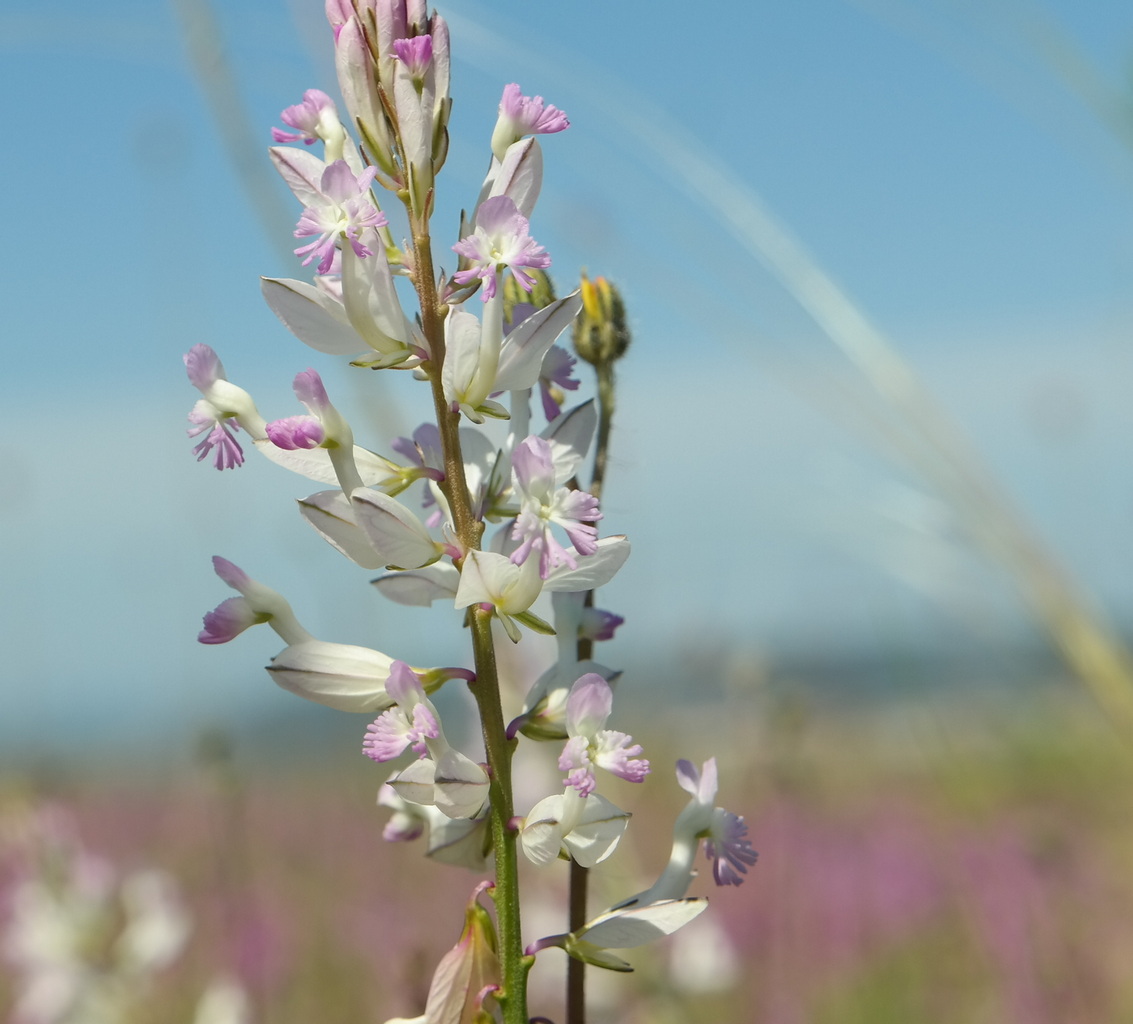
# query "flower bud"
(468, 974)
(601, 334)
(542, 294)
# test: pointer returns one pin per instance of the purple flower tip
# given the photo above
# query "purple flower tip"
(309, 389)
(415, 53)
(203, 366)
(231, 574)
(218, 436)
(530, 114)
(403, 682)
(305, 117)
(227, 620)
(729, 849)
(295, 433)
(598, 624)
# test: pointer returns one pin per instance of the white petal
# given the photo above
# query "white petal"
(598, 831)
(462, 355)
(313, 316)
(374, 470)
(400, 539)
(302, 170)
(415, 783)
(341, 676)
(472, 355)
(370, 299)
(331, 515)
(461, 785)
(457, 841)
(355, 78)
(541, 838)
(480, 459)
(570, 435)
(521, 356)
(421, 587)
(315, 464)
(519, 176)
(482, 577)
(635, 926)
(594, 570)
(414, 118)
(492, 578)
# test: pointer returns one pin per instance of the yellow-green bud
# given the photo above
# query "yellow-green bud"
(542, 292)
(601, 334)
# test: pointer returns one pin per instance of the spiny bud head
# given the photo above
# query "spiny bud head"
(601, 334)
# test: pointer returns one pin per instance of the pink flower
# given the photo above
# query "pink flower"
(411, 724)
(343, 210)
(524, 115)
(221, 413)
(542, 504)
(554, 378)
(416, 53)
(725, 835)
(323, 427)
(441, 776)
(591, 745)
(227, 620)
(499, 240)
(308, 118)
(728, 847)
(219, 436)
(296, 432)
(255, 604)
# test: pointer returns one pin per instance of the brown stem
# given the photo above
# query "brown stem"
(486, 689)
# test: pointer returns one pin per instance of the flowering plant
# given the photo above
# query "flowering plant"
(467, 351)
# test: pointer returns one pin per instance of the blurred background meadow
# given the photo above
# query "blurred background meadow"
(872, 450)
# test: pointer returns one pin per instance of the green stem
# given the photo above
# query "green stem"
(513, 964)
(580, 876)
(605, 371)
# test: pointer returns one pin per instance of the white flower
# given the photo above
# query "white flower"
(585, 828)
(490, 578)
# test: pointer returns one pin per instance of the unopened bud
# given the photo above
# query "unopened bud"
(601, 334)
(542, 294)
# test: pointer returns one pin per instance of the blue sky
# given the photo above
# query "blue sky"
(964, 177)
